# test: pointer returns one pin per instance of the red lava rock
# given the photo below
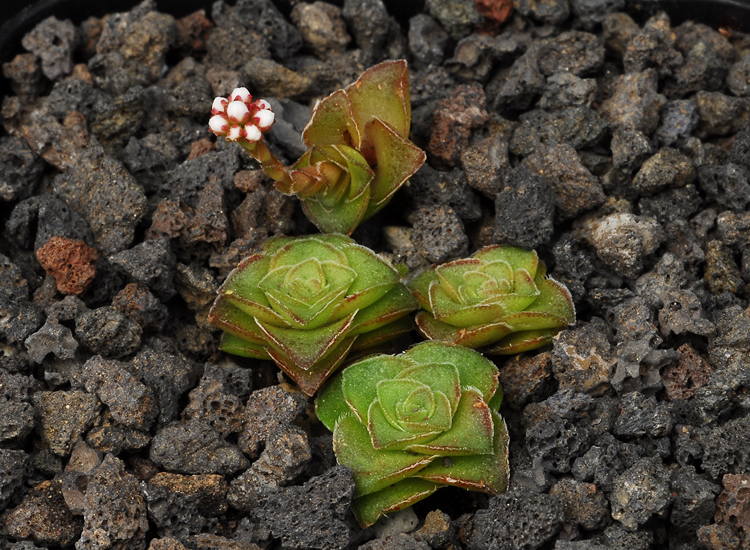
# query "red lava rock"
(733, 505)
(70, 262)
(168, 220)
(192, 29)
(687, 375)
(496, 10)
(718, 537)
(200, 147)
(454, 119)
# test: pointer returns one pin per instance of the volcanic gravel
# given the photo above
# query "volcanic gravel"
(613, 141)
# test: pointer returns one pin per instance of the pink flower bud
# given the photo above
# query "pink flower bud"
(264, 118)
(240, 94)
(238, 112)
(218, 125)
(239, 118)
(219, 106)
(262, 104)
(252, 133)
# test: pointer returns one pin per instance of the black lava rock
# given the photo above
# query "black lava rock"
(516, 520)
(108, 332)
(524, 210)
(313, 515)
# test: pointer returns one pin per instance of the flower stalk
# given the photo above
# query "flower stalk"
(358, 153)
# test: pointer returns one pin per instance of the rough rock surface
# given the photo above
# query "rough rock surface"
(606, 135)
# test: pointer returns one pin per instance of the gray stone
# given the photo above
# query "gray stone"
(516, 520)
(106, 331)
(151, 263)
(53, 41)
(458, 17)
(439, 234)
(51, 338)
(427, 40)
(114, 509)
(194, 447)
(130, 402)
(313, 515)
(20, 169)
(641, 415)
(524, 210)
(640, 492)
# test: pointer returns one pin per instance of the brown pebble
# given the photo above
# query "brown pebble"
(43, 516)
(683, 378)
(70, 262)
(200, 147)
(192, 30)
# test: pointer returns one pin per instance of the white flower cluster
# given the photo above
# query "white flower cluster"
(238, 117)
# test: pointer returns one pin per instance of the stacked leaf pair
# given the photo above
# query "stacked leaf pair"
(409, 424)
(307, 302)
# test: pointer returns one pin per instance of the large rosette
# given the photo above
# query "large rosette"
(306, 302)
(409, 424)
(500, 299)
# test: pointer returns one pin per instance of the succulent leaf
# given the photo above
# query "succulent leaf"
(488, 472)
(411, 423)
(332, 122)
(304, 302)
(397, 159)
(382, 92)
(398, 496)
(374, 469)
(499, 299)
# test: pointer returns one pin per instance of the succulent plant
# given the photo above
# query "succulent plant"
(409, 424)
(500, 299)
(359, 153)
(306, 302)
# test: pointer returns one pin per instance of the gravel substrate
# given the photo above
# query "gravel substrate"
(616, 144)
